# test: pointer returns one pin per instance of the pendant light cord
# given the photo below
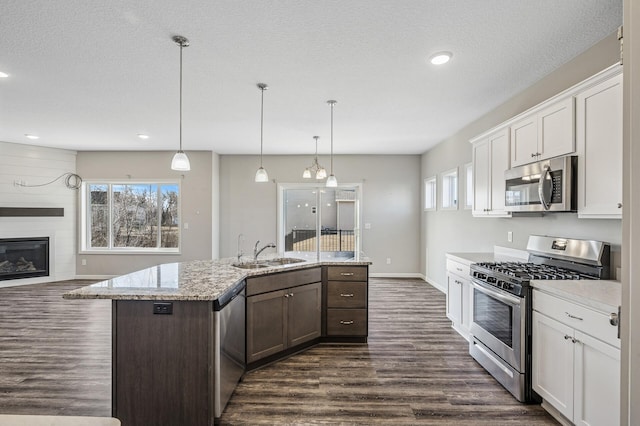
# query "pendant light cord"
(261, 120)
(332, 103)
(181, 47)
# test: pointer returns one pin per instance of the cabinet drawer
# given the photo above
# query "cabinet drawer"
(347, 273)
(282, 280)
(458, 268)
(347, 322)
(342, 294)
(577, 316)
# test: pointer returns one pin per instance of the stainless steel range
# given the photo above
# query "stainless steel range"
(501, 304)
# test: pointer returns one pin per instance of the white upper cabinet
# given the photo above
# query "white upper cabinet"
(490, 160)
(599, 143)
(546, 133)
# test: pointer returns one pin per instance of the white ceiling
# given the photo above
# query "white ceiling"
(91, 74)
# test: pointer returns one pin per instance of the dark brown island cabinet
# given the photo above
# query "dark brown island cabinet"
(178, 362)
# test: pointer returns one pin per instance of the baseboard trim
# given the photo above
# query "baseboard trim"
(435, 285)
(94, 277)
(395, 275)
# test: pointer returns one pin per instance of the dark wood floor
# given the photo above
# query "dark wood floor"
(55, 358)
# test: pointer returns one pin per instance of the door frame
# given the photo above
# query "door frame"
(282, 187)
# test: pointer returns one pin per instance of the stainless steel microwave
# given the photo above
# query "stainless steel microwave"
(548, 185)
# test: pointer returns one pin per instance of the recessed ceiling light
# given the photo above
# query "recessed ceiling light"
(32, 137)
(440, 58)
(3, 74)
(143, 136)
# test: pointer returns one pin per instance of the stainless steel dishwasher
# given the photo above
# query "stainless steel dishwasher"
(229, 359)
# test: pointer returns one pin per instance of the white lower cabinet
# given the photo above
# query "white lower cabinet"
(574, 372)
(458, 297)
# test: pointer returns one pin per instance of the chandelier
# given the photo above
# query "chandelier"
(316, 168)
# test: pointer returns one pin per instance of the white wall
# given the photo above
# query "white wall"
(455, 231)
(196, 205)
(391, 194)
(36, 165)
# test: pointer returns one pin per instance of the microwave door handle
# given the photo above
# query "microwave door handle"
(545, 188)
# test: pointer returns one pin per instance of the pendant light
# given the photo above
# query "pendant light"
(180, 160)
(332, 182)
(320, 172)
(261, 173)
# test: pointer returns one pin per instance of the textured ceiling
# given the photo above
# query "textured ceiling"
(91, 74)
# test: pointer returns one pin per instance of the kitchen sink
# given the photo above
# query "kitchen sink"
(252, 265)
(278, 261)
(283, 261)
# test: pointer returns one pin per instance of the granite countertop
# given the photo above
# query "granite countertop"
(602, 295)
(204, 280)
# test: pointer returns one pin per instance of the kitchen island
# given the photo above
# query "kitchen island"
(184, 333)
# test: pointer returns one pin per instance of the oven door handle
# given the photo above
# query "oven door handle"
(509, 300)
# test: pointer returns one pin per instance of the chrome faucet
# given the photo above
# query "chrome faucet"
(257, 252)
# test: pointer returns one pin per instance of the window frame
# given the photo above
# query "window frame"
(280, 226)
(430, 181)
(468, 185)
(447, 190)
(85, 223)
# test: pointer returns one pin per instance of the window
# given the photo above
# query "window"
(430, 191)
(319, 222)
(468, 173)
(141, 216)
(450, 189)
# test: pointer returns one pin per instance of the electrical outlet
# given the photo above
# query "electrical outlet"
(367, 226)
(162, 308)
(510, 236)
(388, 261)
(185, 225)
(84, 262)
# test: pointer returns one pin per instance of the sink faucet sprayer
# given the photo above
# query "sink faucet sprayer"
(257, 252)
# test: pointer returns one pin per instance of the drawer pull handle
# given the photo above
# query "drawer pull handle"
(576, 341)
(346, 294)
(346, 274)
(567, 337)
(459, 269)
(573, 316)
(346, 322)
(619, 205)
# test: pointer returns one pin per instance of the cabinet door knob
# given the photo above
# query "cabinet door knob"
(290, 294)
(286, 295)
(346, 294)
(613, 319)
(533, 155)
(619, 205)
(567, 337)
(346, 322)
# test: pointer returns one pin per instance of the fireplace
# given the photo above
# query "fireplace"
(24, 258)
